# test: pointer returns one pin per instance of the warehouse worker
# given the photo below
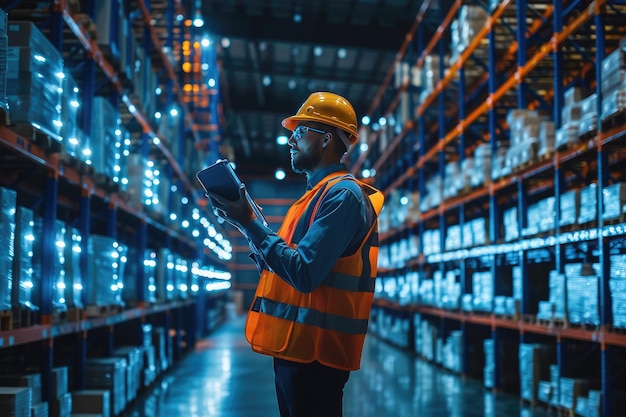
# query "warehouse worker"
(312, 304)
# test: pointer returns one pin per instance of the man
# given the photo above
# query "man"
(314, 296)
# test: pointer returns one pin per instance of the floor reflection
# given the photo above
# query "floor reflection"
(223, 377)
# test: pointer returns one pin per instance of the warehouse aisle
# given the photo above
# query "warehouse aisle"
(224, 378)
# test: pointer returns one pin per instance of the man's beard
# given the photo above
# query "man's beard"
(302, 163)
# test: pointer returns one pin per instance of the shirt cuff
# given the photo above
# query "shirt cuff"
(257, 232)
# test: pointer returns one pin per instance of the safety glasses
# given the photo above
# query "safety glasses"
(299, 132)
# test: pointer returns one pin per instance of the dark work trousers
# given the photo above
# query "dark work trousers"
(309, 389)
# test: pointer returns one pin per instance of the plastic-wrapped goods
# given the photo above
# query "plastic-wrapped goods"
(34, 79)
(148, 264)
(498, 163)
(59, 281)
(105, 144)
(483, 291)
(109, 374)
(517, 282)
(613, 103)
(588, 204)
(182, 274)
(3, 59)
(569, 208)
(499, 304)
(7, 237)
(427, 292)
(69, 113)
(479, 231)
(511, 224)
(544, 391)
(557, 293)
(570, 390)
(39, 410)
(73, 276)
(32, 381)
(555, 382)
(613, 199)
(594, 404)
(534, 366)
(482, 164)
(546, 138)
(15, 401)
(573, 95)
(136, 173)
(57, 269)
(134, 359)
(103, 272)
(453, 352)
(468, 238)
(582, 299)
(565, 135)
(23, 259)
(60, 381)
(165, 275)
(61, 406)
(618, 301)
(453, 237)
(589, 117)
(614, 69)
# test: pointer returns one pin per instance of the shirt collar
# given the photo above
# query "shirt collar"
(319, 175)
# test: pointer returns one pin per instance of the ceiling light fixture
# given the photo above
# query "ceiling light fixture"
(342, 53)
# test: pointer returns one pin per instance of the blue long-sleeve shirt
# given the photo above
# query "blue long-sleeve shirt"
(343, 218)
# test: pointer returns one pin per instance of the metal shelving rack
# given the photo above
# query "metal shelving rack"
(98, 207)
(546, 43)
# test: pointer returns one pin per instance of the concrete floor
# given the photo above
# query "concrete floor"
(223, 377)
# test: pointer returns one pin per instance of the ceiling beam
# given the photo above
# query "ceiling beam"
(274, 29)
(343, 76)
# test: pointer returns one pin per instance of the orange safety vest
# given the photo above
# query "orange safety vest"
(329, 324)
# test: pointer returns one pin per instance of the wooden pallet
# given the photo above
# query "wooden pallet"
(553, 323)
(24, 317)
(615, 120)
(6, 320)
(99, 311)
(106, 183)
(77, 164)
(39, 137)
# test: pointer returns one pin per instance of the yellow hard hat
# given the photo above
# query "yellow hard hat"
(327, 108)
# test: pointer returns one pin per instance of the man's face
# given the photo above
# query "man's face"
(305, 148)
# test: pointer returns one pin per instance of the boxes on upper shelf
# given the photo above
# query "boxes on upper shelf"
(7, 237)
(613, 70)
(613, 199)
(35, 80)
(569, 202)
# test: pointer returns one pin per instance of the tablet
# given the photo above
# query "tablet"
(221, 179)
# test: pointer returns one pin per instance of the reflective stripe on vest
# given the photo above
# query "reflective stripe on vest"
(310, 316)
